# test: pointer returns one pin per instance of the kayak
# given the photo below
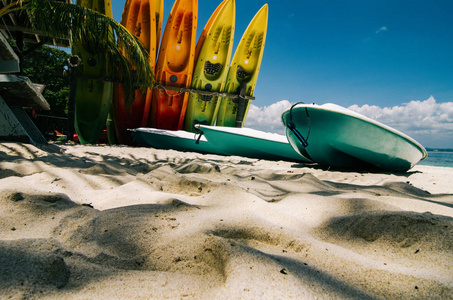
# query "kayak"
(175, 66)
(251, 143)
(213, 55)
(243, 73)
(143, 18)
(179, 140)
(92, 96)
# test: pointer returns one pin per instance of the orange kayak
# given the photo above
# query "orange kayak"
(175, 66)
(144, 19)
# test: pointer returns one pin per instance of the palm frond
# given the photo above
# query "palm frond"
(96, 32)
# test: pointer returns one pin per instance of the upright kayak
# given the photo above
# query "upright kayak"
(93, 95)
(143, 18)
(244, 70)
(175, 66)
(213, 55)
(332, 135)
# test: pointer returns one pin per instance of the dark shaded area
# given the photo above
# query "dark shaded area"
(401, 229)
(32, 264)
(300, 269)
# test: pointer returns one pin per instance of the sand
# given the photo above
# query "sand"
(111, 222)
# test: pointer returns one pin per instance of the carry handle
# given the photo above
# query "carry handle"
(292, 127)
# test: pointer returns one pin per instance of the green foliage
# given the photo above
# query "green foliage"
(100, 34)
(45, 66)
(96, 32)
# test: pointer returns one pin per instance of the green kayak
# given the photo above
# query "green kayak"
(179, 140)
(334, 136)
(93, 95)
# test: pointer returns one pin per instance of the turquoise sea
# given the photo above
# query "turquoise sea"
(438, 158)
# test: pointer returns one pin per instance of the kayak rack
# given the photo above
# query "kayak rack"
(175, 88)
(75, 61)
(201, 92)
(239, 98)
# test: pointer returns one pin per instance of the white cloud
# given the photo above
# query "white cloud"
(428, 122)
(383, 28)
(267, 118)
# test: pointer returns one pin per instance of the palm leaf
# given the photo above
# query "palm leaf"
(98, 34)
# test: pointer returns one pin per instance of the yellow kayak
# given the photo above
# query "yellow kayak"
(214, 53)
(243, 72)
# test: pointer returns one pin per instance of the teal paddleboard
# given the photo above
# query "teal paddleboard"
(334, 136)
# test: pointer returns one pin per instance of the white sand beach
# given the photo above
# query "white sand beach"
(114, 222)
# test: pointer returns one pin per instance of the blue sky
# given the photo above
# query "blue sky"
(367, 55)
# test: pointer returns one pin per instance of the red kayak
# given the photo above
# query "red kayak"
(143, 18)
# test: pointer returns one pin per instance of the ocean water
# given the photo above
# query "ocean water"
(438, 159)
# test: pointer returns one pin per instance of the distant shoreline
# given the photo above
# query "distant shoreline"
(439, 149)
(439, 158)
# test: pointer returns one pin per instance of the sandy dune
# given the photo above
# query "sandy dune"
(80, 222)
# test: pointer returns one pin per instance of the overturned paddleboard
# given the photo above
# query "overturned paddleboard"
(334, 136)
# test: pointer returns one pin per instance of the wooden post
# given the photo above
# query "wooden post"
(73, 64)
